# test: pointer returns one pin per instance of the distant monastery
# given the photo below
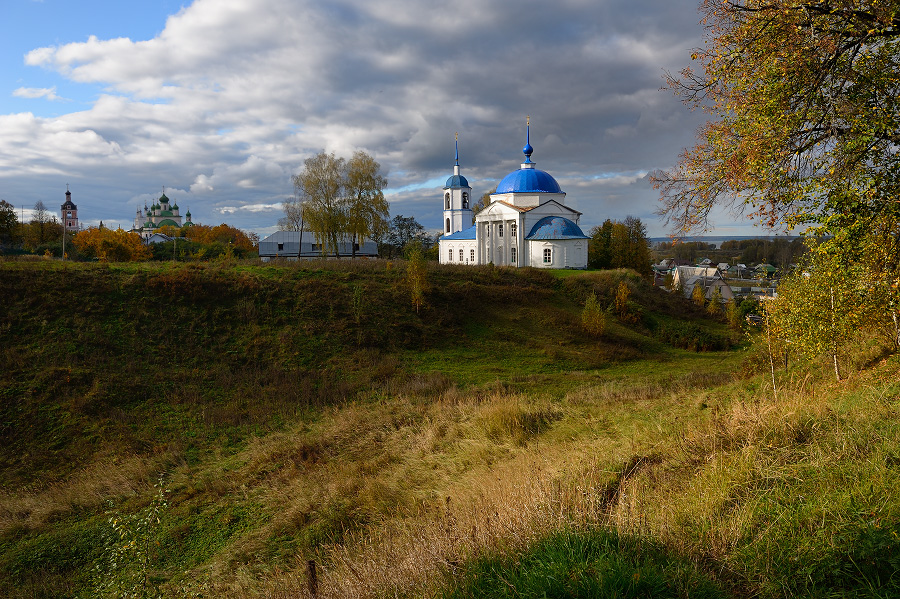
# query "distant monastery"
(162, 213)
(527, 222)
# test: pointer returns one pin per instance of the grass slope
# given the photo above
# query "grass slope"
(307, 412)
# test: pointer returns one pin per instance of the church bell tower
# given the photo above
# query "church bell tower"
(69, 212)
(457, 200)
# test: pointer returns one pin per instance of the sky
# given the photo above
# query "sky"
(219, 102)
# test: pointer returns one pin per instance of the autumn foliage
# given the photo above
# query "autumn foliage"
(224, 234)
(111, 245)
(804, 127)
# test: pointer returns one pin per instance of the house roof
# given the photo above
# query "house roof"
(464, 235)
(456, 181)
(556, 227)
(516, 208)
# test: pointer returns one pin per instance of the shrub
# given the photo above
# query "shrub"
(592, 317)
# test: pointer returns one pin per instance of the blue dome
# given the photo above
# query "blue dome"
(456, 181)
(528, 180)
(556, 227)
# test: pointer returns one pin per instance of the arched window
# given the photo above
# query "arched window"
(512, 229)
(512, 255)
(461, 254)
(500, 229)
(548, 256)
(465, 200)
(447, 202)
(450, 255)
(448, 225)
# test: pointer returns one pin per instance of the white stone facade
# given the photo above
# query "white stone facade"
(527, 223)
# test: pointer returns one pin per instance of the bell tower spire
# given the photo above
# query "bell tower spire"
(457, 199)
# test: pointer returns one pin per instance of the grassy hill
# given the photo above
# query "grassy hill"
(210, 429)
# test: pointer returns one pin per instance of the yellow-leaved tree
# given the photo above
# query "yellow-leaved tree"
(803, 100)
(111, 245)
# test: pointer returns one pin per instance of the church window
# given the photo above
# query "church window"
(471, 255)
(500, 229)
(512, 229)
(548, 256)
(512, 255)
(465, 200)
(450, 255)
(447, 202)
(448, 225)
(69, 213)
(460, 254)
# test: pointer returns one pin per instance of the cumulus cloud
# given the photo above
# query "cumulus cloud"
(48, 93)
(232, 95)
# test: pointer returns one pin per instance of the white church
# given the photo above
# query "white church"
(526, 224)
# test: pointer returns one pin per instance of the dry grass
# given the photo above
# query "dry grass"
(457, 482)
(434, 483)
(88, 488)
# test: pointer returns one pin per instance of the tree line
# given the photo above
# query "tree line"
(623, 244)
(804, 124)
(44, 235)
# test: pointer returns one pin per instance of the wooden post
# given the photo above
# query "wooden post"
(311, 579)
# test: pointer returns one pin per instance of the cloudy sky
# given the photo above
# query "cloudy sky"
(220, 101)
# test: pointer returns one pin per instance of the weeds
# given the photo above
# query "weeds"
(305, 415)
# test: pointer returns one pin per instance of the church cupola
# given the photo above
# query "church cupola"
(528, 186)
(457, 200)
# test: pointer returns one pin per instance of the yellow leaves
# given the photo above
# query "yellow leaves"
(111, 245)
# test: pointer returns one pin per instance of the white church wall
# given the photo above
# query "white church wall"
(564, 253)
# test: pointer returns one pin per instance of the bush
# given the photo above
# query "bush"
(592, 317)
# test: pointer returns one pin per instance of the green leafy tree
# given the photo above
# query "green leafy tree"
(805, 112)
(365, 206)
(620, 245)
(600, 246)
(820, 307)
(338, 200)
(320, 188)
(804, 105)
(9, 224)
(403, 231)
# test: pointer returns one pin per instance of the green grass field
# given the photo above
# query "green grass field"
(208, 430)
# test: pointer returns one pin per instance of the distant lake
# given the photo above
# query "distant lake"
(719, 239)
